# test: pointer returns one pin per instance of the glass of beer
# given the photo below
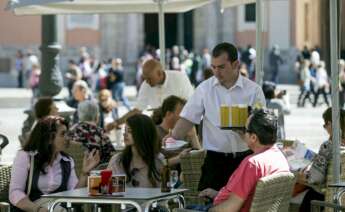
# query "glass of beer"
(94, 183)
(235, 115)
(243, 115)
(224, 116)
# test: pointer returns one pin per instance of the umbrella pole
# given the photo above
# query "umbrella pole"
(258, 69)
(161, 32)
(335, 89)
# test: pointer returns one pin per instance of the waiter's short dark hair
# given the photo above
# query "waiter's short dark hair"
(227, 48)
(263, 123)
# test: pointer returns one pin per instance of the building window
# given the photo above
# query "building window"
(82, 21)
(249, 12)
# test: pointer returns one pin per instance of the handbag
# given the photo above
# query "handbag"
(31, 173)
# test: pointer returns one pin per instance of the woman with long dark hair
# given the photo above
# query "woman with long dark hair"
(140, 161)
(42, 167)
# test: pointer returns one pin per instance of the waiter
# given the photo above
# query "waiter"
(225, 148)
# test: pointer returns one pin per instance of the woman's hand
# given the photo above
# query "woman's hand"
(91, 160)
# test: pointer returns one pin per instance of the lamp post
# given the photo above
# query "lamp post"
(51, 82)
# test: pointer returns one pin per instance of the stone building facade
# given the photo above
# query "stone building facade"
(289, 23)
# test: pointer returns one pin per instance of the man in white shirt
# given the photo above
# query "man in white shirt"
(158, 85)
(225, 148)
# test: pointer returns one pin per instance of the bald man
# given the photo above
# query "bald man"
(158, 85)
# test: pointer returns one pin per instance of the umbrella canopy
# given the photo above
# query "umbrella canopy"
(232, 3)
(50, 7)
(46, 7)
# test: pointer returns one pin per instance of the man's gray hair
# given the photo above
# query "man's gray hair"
(88, 111)
(81, 84)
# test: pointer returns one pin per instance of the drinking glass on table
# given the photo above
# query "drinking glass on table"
(173, 178)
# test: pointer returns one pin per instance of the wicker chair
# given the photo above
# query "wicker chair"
(5, 177)
(273, 193)
(330, 191)
(191, 169)
(75, 150)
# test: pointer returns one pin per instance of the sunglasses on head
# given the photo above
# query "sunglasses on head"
(50, 121)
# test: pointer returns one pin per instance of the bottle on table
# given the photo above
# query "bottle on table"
(165, 178)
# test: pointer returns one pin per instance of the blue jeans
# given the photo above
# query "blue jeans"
(200, 207)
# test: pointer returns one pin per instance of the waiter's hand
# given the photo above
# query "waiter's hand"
(240, 132)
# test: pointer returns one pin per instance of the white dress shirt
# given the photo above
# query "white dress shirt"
(176, 83)
(205, 104)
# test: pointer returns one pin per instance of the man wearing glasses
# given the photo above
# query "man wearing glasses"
(267, 159)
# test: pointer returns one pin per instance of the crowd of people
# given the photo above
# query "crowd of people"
(235, 159)
(312, 77)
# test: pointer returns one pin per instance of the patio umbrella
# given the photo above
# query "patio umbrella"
(259, 60)
(333, 12)
(49, 7)
(232, 3)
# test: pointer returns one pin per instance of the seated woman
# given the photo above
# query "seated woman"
(88, 133)
(166, 117)
(140, 161)
(43, 165)
(316, 172)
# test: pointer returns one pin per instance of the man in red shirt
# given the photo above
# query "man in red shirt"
(267, 159)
